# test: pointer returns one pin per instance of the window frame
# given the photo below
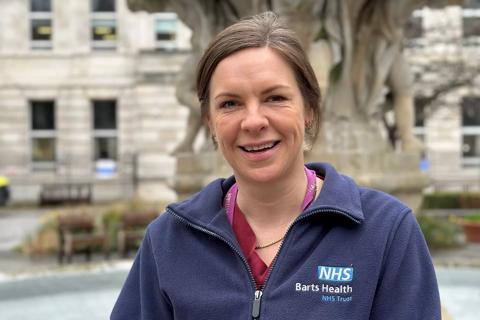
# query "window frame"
(40, 15)
(472, 4)
(104, 133)
(166, 45)
(112, 1)
(43, 134)
(420, 130)
(469, 130)
(420, 41)
(106, 16)
(470, 40)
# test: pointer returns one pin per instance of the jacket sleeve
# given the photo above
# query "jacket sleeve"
(407, 288)
(141, 297)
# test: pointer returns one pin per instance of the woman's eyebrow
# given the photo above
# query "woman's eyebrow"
(275, 87)
(226, 94)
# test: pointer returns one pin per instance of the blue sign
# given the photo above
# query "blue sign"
(105, 168)
(337, 274)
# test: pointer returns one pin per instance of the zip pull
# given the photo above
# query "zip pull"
(256, 304)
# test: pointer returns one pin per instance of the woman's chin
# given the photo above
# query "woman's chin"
(259, 175)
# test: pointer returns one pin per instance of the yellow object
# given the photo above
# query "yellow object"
(44, 30)
(4, 181)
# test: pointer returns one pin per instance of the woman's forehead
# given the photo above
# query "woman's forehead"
(258, 66)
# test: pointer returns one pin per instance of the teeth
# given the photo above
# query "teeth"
(261, 147)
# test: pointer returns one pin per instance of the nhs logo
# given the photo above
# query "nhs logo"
(337, 274)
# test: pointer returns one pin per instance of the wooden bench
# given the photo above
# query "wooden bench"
(65, 193)
(76, 233)
(132, 230)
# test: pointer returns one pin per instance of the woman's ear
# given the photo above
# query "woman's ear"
(308, 117)
(211, 132)
(209, 125)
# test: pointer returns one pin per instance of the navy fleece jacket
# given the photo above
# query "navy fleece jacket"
(355, 253)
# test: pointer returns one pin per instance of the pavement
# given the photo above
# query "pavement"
(465, 257)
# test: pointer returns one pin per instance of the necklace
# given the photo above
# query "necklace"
(270, 244)
(231, 196)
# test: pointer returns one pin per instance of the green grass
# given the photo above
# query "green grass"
(473, 217)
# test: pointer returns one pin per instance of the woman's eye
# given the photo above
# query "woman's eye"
(228, 104)
(276, 98)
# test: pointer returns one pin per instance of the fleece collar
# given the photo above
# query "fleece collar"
(339, 195)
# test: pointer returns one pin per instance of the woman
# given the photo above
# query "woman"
(278, 240)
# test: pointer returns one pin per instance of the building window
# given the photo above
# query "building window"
(166, 31)
(43, 137)
(471, 27)
(471, 131)
(41, 24)
(103, 24)
(105, 129)
(420, 115)
(414, 30)
(471, 4)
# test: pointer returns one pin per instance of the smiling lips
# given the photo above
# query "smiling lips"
(259, 147)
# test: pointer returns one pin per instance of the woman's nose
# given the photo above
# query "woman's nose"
(255, 119)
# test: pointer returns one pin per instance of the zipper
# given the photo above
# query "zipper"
(231, 245)
(257, 299)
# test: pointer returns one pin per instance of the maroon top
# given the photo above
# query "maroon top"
(245, 235)
(247, 240)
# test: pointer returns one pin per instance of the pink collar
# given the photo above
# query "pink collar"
(231, 197)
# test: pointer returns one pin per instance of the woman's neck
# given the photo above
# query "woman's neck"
(276, 202)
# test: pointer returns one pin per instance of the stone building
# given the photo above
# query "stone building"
(87, 96)
(443, 48)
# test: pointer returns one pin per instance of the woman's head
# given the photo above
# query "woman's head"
(263, 30)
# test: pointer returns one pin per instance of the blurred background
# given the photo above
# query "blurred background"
(90, 126)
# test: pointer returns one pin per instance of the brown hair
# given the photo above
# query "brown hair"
(262, 30)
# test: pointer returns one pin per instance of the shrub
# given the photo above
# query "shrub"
(441, 200)
(469, 200)
(451, 200)
(111, 219)
(440, 233)
(112, 215)
(107, 219)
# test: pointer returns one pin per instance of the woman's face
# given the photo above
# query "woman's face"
(257, 115)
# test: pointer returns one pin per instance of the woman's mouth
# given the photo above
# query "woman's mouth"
(260, 147)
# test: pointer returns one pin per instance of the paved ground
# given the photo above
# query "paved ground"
(468, 256)
(460, 292)
(15, 225)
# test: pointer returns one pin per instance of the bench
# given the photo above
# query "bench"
(132, 230)
(65, 193)
(76, 233)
